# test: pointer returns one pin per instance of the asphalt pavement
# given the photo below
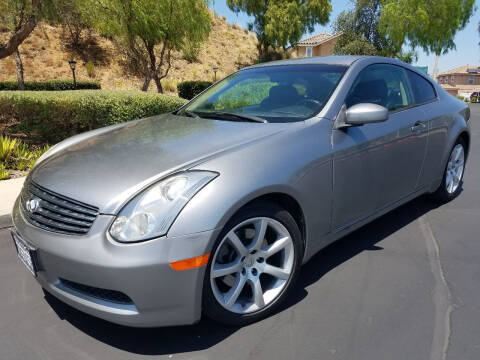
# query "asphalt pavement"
(403, 287)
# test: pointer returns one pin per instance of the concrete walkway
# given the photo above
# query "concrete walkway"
(9, 190)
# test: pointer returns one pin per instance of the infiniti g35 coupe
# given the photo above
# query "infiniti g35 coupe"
(213, 208)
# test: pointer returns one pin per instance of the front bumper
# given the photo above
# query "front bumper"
(160, 295)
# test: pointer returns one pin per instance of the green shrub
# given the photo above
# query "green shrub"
(460, 97)
(16, 155)
(7, 148)
(49, 117)
(90, 67)
(189, 89)
(169, 85)
(191, 51)
(24, 156)
(51, 85)
(4, 173)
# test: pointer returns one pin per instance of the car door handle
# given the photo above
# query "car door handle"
(418, 126)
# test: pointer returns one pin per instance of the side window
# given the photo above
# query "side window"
(381, 84)
(422, 90)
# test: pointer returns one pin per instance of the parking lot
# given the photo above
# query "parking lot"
(403, 287)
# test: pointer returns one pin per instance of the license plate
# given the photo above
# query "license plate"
(26, 253)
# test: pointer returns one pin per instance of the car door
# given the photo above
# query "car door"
(375, 165)
(427, 101)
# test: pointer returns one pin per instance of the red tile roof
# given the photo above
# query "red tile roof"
(317, 39)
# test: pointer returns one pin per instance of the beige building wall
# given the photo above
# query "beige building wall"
(459, 79)
(452, 92)
(300, 51)
(324, 49)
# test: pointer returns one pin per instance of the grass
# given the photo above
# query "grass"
(169, 85)
(17, 155)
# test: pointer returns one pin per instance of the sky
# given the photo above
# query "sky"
(467, 40)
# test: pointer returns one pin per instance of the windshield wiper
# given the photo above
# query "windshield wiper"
(190, 114)
(234, 116)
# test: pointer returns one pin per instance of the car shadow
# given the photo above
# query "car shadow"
(207, 333)
(363, 239)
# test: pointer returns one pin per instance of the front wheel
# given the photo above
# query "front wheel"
(253, 266)
(453, 176)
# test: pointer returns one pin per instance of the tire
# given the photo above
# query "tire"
(252, 265)
(446, 192)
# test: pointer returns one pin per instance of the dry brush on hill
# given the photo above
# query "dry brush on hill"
(46, 53)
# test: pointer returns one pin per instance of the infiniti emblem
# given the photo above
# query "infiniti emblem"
(249, 260)
(32, 205)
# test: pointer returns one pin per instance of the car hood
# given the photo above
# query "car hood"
(106, 167)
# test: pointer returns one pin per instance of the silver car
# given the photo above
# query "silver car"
(213, 208)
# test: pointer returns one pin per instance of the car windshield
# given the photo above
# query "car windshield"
(282, 93)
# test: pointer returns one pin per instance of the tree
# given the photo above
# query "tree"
(20, 17)
(352, 41)
(430, 25)
(362, 35)
(150, 30)
(279, 23)
(74, 23)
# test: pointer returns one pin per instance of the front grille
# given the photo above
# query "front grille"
(98, 293)
(56, 213)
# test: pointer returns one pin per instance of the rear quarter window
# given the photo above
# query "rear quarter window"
(422, 89)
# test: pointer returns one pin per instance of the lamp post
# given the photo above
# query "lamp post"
(72, 64)
(215, 69)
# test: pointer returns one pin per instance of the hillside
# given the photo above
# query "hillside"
(45, 56)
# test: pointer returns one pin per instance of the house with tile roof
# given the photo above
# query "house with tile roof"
(316, 45)
(460, 81)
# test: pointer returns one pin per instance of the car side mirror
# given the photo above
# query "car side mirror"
(366, 113)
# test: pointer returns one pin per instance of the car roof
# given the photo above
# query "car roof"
(346, 60)
(324, 60)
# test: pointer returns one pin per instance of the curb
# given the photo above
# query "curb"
(6, 221)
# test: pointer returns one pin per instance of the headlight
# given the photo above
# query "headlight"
(151, 213)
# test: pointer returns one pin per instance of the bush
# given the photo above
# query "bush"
(90, 67)
(4, 173)
(16, 155)
(460, 97)
(191, 51)
(49, 117)
(169, 85)
(189, 89)
(7, 148)
(51, 85)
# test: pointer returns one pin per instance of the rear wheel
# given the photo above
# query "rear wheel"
(253, 265)
(453, 176)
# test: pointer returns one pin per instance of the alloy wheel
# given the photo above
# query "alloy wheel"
(455, 168)
(252, 265)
